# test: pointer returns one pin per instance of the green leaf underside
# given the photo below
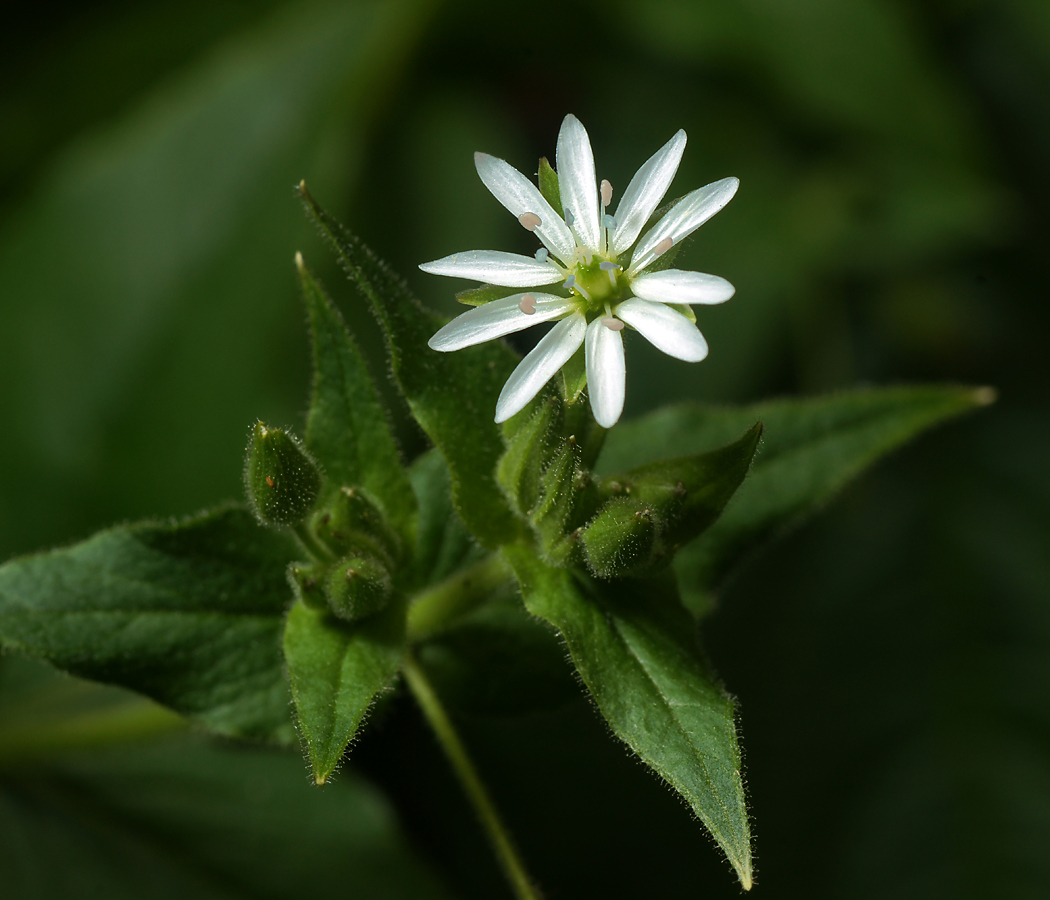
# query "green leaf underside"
(636, 649)
(451, 395)
(811, 449)
(336, 670)
(347, 428)
(187, 613)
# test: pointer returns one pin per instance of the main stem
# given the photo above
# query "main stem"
(506, 852)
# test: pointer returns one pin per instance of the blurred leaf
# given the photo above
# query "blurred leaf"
(183, 818)
(638, 653)
(811, 448)
(336, 669)
(347, 429)
(157, 254)
(498, 661)
(452, 395)
(187, 613)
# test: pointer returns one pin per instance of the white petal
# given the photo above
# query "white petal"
(576, 179)
(552, 352)
(493, 320)
(685, 217)
(495, 267)
(645, 192)
(678, 286)
(519, 196)
(664, 328)
(606, 375)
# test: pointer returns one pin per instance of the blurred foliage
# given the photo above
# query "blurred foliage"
(890, 658)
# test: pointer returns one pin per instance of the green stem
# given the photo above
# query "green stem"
(468, 776)
(311, 544)
(436, 607)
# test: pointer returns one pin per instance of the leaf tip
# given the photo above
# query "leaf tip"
(320, 778)
(985, 396)
(299, 264)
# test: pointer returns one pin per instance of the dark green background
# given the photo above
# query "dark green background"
(892, 659)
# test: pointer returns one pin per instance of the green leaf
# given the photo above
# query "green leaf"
(347, 428)
(452, 395)
(637, 651)
(663, 506)
(336, 669)
(188, 613)
(811, 449)
(443, 544)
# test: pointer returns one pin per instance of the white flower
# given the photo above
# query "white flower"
(582, 254)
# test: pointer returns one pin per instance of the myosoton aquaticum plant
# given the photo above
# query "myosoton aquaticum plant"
(533, 522)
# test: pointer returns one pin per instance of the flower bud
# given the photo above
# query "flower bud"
(622, 539)
(357, 587)
(351, 523)
(282, 481)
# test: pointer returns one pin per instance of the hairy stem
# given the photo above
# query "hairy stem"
(468, 776)
(436, 607)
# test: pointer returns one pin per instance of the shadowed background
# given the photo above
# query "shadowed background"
(892, 658)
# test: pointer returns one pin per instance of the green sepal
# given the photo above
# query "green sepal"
(358, 587)
(662, 506)
(308, 584)
(637, 650)
(336, 669)
(574, 378)
(281, 479)
(188, 613)
(521, 466)
(351, 521)
(685, 309)
(562, 487)
(549, 186)
(451, 395)
(486, 293)
(347, 427)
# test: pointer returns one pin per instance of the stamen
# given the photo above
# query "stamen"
(608, 221)
(611, 268)
(529, 221)
(542, 254)
(570, 282)
(606, 192)
(661, 248)
(570, 219)
(528, 305)
(612, 324)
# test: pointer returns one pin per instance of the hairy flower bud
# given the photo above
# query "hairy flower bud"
(281, 479)
(357, 587)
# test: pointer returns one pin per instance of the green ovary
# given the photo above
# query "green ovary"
(598, 287)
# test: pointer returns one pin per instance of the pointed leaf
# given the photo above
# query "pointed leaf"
(347, 429)
(187, 613)
(812, 447)
(452, 395)
(336, 669)
(637, 651)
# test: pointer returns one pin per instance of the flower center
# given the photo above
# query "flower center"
(600, 284)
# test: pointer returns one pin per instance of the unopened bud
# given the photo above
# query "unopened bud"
(358, 587)
(350, 522)
(281, 479)
(622, 538)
